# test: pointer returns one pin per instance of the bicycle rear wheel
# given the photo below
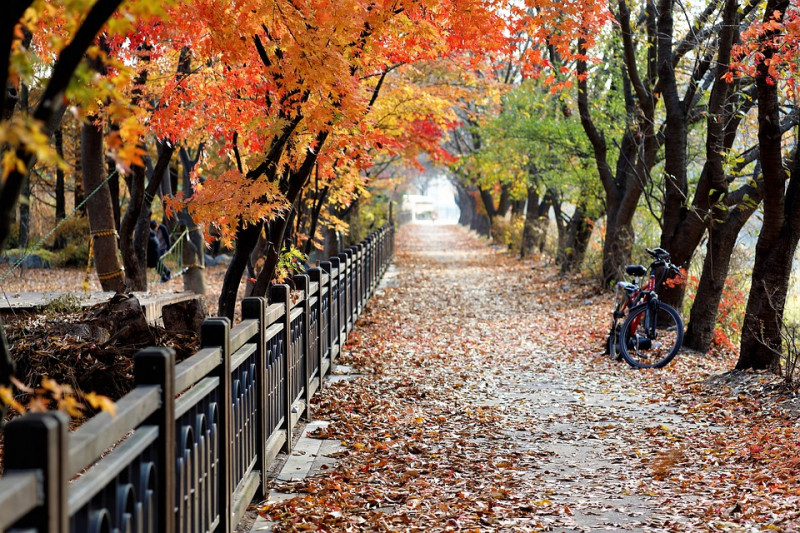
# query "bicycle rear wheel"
(651, 335)
(612, 342)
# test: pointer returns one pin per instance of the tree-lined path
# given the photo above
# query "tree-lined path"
(485, 406)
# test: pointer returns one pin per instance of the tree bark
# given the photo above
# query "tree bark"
(25, 203)
(195, 277)
(61, 200)
(77, 178)
(113, 189)
(561, 226)
(530, 235)
(721, 242)
(137, 272)
(25, 214)
(761, 331)
(315, 212)
(101, 214)
(623, 191)
(683, 226)
(246, 238)
(577, 240)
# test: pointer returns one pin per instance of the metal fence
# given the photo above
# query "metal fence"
(189, 445)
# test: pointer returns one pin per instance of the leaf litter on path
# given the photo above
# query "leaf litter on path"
(484, 405)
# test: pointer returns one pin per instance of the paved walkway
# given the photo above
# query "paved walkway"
(469, 330)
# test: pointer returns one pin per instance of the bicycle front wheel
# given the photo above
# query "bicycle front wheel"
(651, 335)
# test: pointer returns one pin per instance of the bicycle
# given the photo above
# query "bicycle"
(645, 331)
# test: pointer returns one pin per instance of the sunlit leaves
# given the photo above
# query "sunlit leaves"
(52, 395)
(231, 196)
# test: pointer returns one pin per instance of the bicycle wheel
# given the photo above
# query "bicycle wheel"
(612, 342)
(651, 335)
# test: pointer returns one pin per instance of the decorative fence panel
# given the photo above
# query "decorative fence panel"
(189, 445)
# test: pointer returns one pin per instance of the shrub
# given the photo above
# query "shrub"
(74, 229)
(508, 233)
(13, 237)
(72, 254)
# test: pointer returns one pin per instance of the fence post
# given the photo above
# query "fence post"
(344, 296)
(38, 441)
(280, 294)
(371, 246)
(333, 325)
(352, 253)
(255, 308)
(215, 332)
(316, 275)
(380, 253)
(362, 259)
(302, 282)
(156, 366)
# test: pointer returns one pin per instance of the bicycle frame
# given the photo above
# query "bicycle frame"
(635, 294)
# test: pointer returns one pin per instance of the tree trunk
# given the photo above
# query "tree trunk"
(542, 223)
(578, 235)
(721, 242)
(197, 275)
(61, 200)
(561, 227)
(683, 226)
(113, 189)
(25, 214)
(330, 242)
(246, 238)
(518, 208)
(131, 251)
(101, 213)
(25, 199)
(624, 189)
(80, 196)
(60, 193)
(466, 204)
(317, 209)
(761, 331)
(777, 242)
(530, 229)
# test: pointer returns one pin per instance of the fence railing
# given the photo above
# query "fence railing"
(188, 447)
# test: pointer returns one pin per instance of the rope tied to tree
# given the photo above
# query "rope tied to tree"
(111, 275)
(104, 233)
(51, 232)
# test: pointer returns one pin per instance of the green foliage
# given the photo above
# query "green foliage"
(536, 140)
(13, 237)
(63, 305)
(371, 213)
(74, 253)
(70, 242)
(291, 262)
(508, 233)
(74, 229)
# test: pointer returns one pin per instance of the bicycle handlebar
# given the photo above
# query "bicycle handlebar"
(658, 253)
(662, 258)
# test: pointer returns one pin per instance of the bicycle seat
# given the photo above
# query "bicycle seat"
(635, 270)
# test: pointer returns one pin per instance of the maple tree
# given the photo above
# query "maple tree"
(287, 81)
(24, 137)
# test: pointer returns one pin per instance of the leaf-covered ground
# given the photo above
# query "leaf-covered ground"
(485, 406)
